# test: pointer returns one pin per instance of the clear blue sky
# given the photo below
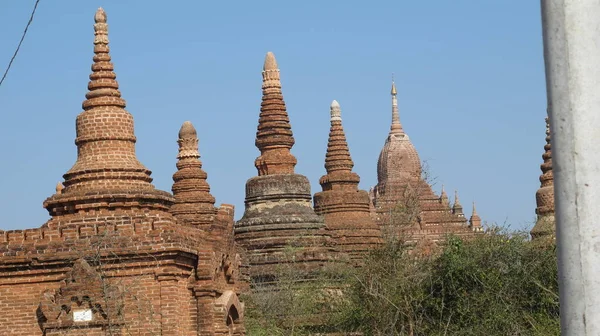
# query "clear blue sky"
(470, 78)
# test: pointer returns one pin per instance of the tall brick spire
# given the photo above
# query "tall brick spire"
(274, 136)
(545, 224)
(278, 209)
(345, 208)
(338, 162)
(106, 160)
(193, 202)
(338, 157)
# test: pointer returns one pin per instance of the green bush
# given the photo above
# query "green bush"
(496, 284)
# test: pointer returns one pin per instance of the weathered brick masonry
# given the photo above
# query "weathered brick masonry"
(279, 212)
(404, 202)
(345, 207)
(117, 254)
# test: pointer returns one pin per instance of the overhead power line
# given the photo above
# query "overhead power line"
(20, 42)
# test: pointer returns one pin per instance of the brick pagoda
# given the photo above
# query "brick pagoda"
(403, 201)
(279, 213)
(345, 207)
(117, 255)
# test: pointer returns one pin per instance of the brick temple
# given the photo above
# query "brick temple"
(404, 202)
(118, 256)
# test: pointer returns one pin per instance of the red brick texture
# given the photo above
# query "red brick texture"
(278, 213)
(345, 207)
(116, 248)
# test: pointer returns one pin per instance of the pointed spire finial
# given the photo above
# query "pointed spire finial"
(396, 127)
(100, 16)
(336, 111)
(444, 197)
(188, 141)
(457, 208)
(456, 201)
(100, 27)
(187, 130)
(270, 62)
(475, 221)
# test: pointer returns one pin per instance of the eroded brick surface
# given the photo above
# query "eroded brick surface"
(279, 219)
(345, 207)
(117, 254)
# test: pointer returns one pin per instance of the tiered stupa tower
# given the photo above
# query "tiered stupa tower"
(279, 212)
(344, 206)
(545, 226)
(403, 200)
(194, 203)
(107, 173)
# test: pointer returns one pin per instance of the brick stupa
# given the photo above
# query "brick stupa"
(112, 259)
(194, 203)
(545, 226)
(279, 212)
(344, 206)
(107, 173)
(403, 201)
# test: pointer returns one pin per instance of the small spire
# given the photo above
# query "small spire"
(475, 221)
(396, 127)
(457, 208)
(544, 196)
(274, 136)
(444, 197)
(193, 202)
(103, 87)
(456, 200)
(338, 154)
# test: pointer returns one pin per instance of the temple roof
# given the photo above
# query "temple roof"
(398, 160)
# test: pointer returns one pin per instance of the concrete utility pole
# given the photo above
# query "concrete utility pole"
(572, 56)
